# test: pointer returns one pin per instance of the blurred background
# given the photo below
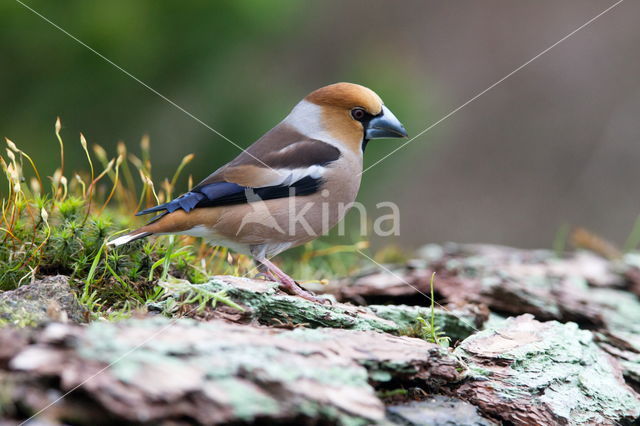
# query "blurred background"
(557, 143)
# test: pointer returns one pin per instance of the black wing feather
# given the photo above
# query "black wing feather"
(227, 193)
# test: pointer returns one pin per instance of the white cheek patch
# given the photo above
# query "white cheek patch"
(306, 118)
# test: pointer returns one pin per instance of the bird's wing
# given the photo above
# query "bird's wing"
(269, 169)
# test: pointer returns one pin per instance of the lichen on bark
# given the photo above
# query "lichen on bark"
(216, 372)
(530, 372)
(255, 354)
(264, 303)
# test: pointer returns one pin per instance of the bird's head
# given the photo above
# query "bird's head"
(350, 113)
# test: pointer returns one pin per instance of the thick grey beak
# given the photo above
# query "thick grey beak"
(385, 125)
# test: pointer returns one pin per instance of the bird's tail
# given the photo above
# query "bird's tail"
(131, 236)
(165, 223)
(149, 229)
(176, 222)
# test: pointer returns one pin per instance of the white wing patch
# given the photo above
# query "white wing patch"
(288, 177)
(261, 177)
(291, 176)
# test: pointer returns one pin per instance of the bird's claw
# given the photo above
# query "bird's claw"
(296, 290)
(310, 295)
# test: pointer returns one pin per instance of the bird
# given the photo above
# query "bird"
(289, 187)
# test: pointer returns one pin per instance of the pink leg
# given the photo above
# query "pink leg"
(264, 272)
(289, 283)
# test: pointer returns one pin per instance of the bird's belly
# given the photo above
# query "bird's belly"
(216, 239)
(293, 220)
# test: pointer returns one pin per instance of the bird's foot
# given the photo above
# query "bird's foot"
(294, 288)
(288, 284)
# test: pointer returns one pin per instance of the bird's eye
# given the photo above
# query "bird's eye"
(358, 114)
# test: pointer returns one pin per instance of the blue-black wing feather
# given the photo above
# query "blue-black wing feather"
(227, 193)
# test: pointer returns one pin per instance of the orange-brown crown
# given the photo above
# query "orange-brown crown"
(347, 96)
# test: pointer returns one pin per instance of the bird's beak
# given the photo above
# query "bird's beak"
(385, 125)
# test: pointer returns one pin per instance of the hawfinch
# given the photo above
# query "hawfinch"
(291, 186)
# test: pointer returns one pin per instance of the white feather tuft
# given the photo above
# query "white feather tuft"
(123, 240)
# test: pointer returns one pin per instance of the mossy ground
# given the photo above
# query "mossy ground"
(59, 225)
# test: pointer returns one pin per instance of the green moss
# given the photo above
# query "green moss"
(384, 394)
(18, 316)
(7, 392)
(270, 308)
(456, 325)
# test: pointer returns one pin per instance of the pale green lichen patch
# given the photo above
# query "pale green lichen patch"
(264, 304)
(175, 358)
(307, 335)
(556, 365)
(475, 371)
(621, 314)
(247, 400)
(380, 375)
(271, 308)
(315, 411)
